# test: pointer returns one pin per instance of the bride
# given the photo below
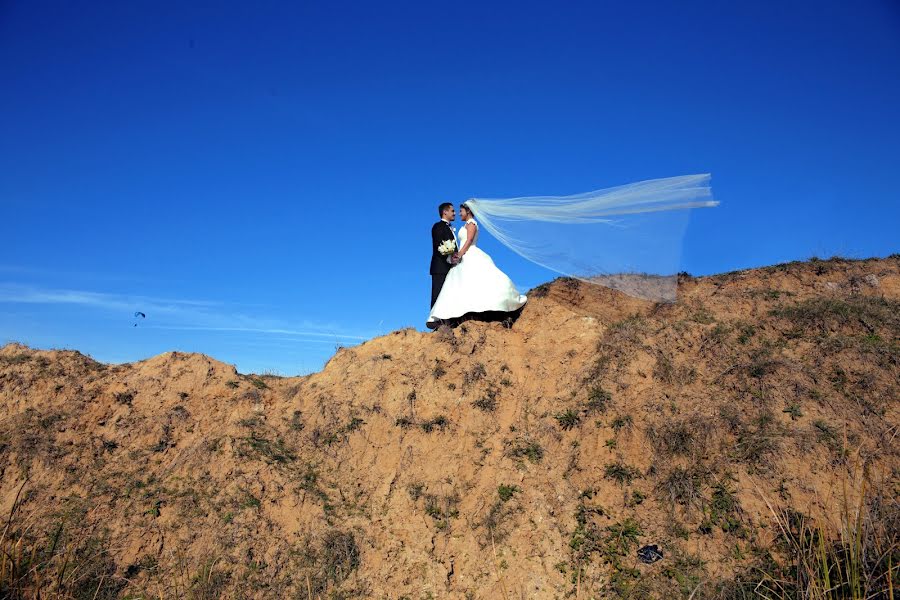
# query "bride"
(475, 285)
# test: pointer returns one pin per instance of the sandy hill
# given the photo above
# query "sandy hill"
(756, 415)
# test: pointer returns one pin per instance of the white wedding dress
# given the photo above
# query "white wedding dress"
(475, 285)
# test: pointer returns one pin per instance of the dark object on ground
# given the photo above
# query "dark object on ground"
(650, 554)
(435, 325)
(491, 316)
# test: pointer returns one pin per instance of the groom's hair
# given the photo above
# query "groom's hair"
(444, 207)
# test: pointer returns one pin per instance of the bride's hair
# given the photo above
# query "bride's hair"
(466, 206)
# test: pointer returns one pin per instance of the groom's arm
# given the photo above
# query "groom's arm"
(438, 237)
(435, 237)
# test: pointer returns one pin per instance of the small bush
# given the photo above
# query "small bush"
(666, 371)
(637, 498)
(404, 422)
(440, 422)
(497, 521)
(793, 409)
(621, 422)
(338, 556)
(680, 437)
(755, 446)
(761, 365)
(124, 398)
(621, 473)
(354, 424)
(271, 451)
(526, 449)
(598, 400)
(488, 402)
(724, 509)
(746, 332)
(415, 490)
(439, 370)
(506, 492)
(476, 373)
(703, 316)
(731, 416)
(569, 419)
(683, 486)
(441, 509)
(829, 437)
(622, 536)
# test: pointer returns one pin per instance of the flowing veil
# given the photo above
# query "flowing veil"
(628, 237)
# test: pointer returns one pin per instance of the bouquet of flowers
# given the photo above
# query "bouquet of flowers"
(447, 247)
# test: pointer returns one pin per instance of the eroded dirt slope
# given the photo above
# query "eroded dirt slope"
(529, 461)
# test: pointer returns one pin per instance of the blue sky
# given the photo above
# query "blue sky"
(260, 178)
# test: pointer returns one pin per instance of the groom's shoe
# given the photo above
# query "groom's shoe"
(433, 324)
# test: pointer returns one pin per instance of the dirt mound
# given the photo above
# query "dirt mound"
(488, 461)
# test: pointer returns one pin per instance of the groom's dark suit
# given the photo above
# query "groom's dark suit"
(440, 232)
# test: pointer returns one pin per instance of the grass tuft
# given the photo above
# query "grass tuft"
(621, 473)
(506, 492)
(568, 419)
(525, 449)
(439, 422)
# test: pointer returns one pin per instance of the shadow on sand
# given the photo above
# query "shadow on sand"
(508, 319)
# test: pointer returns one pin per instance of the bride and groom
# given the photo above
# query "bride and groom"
(628, 238)
(464, 279)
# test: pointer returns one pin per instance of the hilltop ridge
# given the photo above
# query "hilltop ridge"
(485, 461)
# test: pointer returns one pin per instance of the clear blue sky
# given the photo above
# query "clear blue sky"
(260, 178)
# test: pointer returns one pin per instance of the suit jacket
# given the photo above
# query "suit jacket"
(440, 232)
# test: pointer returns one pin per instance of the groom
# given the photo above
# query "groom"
(440, 264)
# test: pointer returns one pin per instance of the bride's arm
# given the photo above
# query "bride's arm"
(470, 237)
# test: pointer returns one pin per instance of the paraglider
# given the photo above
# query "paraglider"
(139, 314)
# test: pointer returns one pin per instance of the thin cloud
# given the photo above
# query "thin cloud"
(176, 314)
(23, 294)
(297, 332)
(29, 271)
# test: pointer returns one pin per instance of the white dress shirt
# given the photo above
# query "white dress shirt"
(455, 240)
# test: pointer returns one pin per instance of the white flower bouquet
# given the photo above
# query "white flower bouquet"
(447, 247)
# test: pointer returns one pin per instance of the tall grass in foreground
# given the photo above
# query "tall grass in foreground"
(63, 557)
(855, 558)
(859, 561)
(58, 565)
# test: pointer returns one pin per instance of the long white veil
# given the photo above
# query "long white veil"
(628, 237)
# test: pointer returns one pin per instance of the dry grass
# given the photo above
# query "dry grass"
(71, 562)
(858, 561)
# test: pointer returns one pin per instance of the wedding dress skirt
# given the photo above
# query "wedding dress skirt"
(475, 285)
